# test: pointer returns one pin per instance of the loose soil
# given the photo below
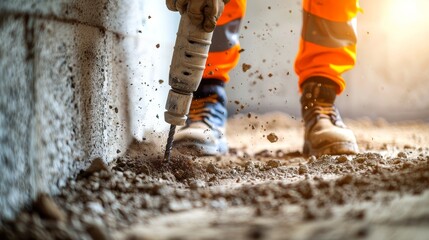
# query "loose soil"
(263, 189)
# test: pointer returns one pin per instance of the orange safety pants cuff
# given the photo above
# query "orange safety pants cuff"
(331, 63)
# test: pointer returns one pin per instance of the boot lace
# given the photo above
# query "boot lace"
(199, 110)
(319, 110)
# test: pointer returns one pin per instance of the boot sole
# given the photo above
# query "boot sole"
(201, 149)
(337, 148)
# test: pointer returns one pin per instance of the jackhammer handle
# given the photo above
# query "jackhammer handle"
(186, 69)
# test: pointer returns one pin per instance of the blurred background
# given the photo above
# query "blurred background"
(390, 80)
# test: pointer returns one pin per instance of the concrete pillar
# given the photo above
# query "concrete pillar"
(77, 82)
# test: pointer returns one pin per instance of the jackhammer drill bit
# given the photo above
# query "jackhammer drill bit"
(169, 142)
(186, 70)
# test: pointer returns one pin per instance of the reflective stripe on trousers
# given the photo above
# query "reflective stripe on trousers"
(327, 45)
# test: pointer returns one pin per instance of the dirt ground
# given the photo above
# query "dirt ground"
(263, 189)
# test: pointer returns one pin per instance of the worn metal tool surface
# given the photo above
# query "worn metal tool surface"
(186, 70)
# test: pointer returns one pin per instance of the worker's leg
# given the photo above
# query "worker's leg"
(224, 51)
(327, 49)
(328, 40)
(204, 133)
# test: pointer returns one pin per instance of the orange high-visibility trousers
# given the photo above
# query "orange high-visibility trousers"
(327, 46)
(328, 40)
(224, 51)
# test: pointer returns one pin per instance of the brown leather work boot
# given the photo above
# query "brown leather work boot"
(325, 132)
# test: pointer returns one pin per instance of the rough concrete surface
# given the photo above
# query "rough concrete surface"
(259, 190)
(119, 16)
(63, 92)
(16, 115)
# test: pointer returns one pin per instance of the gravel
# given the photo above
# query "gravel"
(269, 186)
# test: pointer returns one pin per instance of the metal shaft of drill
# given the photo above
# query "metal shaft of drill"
(169, 142)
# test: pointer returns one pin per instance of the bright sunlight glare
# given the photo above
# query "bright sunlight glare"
(406, 13)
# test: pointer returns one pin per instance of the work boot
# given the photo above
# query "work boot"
(204, 132)
(325, 132)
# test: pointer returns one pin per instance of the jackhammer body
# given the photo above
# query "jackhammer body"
(186, 70)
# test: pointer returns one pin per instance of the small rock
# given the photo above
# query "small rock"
(249, 166)
(303, 169)
(195, 184)
(129, 174)
(246, 67)
(312, 159)
(306, 190)
(233, 172)
(347, 179)
(273, 164)
(96, 207)
(211, 168)
(47, 208)
(179, 174)
(342, 159)
(407, 165)
(97, 232)
(360, 159)
(163, 190)
(144, 169)
(402, 155)
(105, 175)
(272, 137)
(213, 179)
(168, 176)
(107, 197)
